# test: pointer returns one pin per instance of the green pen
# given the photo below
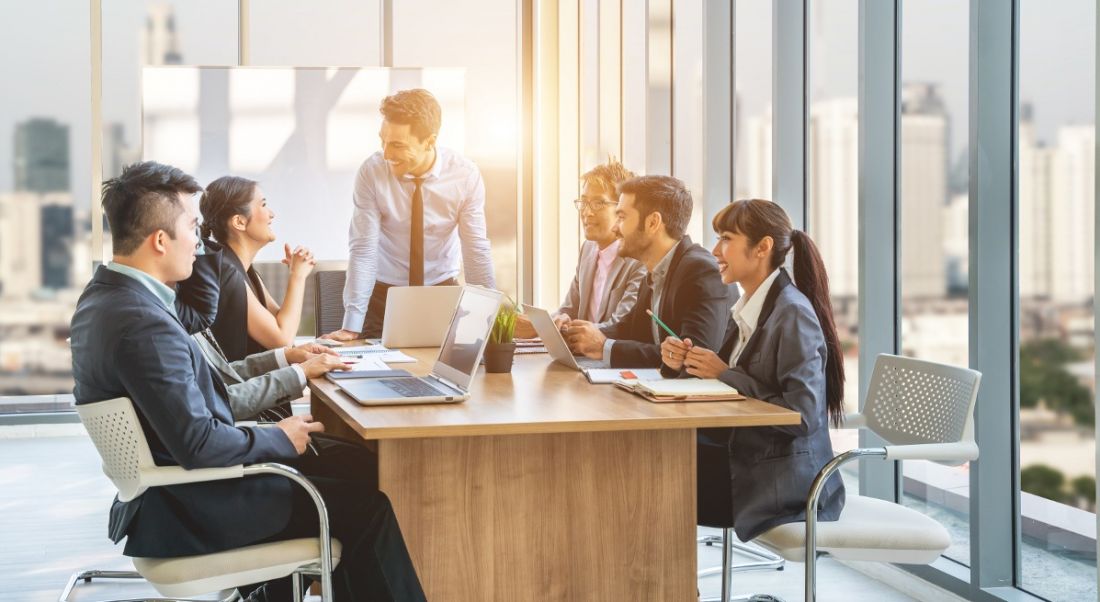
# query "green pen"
(662, 325)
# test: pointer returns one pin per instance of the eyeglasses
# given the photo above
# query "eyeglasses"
(582, 204)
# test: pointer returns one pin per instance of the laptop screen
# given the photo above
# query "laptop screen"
(467, 334)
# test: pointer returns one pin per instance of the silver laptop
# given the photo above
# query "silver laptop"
(555, 343)
(416, 316)
(454, 369)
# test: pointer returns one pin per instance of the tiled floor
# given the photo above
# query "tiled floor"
(53, 516)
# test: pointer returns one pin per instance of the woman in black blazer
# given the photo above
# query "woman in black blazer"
(249, 320)
(781, 347)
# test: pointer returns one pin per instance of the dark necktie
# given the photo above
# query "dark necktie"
(416, 236)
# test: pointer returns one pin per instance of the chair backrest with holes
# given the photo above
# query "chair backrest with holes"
(329, 306)
(114, 428)
(911, 401)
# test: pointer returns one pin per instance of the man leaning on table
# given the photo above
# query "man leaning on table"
(418, 206)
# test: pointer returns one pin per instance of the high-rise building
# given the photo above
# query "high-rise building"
(41, 156)
(924, 169)
(1035, 224)
(1056, 214)
(160, 40)
(834, 190)
(956, 243)
(20, 245)
(1072, 206)
(116, 152)
(57, 244)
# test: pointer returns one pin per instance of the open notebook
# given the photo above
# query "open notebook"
(681, 389)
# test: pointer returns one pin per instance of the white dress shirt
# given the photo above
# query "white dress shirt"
(378, 241)
(746, 313)
(280, 359)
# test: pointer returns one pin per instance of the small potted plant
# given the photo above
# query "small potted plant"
(501, 348)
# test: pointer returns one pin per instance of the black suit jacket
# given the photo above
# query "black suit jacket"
(695, 304)
(197, 298)
(126, 343)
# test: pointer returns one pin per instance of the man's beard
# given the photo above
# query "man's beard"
(634, 247)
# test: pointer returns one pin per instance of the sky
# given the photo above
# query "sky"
(44, 59)
(1057, 56)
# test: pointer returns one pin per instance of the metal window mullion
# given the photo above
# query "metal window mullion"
(879, 174)
(717, 107)
(658, 109)
(994, 294)
(1096, 275)
(525, 201)
(789, 108)
(385, 40)
(96, 98)
(244, 29)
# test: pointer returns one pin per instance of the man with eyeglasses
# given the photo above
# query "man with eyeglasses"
(605, 286)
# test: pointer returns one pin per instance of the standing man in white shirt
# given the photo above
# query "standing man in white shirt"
(417, 207)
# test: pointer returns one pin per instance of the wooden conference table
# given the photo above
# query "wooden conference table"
(542, 486)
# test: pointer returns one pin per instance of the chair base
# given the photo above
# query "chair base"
(87, 576)
(747, 598)
(729, 542)
(766, 559)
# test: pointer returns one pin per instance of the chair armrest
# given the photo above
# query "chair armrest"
(855, 420)
(325, 535)
(177, 475)
(956, 453)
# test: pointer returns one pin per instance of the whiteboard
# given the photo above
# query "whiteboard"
(301, 132)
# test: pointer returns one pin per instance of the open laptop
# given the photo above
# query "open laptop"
(417, 316)
(454, 369)
(555, 343)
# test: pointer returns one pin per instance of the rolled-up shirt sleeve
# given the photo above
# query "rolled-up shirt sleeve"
(477, 257)
(362, 252)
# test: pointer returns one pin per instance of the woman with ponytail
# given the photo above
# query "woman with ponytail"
(236, 215)
(781, 347)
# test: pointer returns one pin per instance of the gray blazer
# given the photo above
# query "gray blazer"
(254, 384)
(772, 467)
(619, 295)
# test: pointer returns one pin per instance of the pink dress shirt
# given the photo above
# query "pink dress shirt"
(604, 259)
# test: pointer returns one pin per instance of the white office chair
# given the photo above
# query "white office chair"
(114, 428)
(924, 411)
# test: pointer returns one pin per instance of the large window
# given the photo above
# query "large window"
(137, 33)
(933, 217)
(752, 101)
(45, 225)
(1057, 141)
(833, 169)
(446, 34)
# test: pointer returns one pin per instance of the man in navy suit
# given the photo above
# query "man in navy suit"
(128, 340)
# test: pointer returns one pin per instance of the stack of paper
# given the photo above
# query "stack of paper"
(388, 356)
(682, 389)
(609, 376)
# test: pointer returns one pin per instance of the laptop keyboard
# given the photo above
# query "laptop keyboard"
(411, 387)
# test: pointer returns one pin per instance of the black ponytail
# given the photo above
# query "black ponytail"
(224, 198)
(811, 279)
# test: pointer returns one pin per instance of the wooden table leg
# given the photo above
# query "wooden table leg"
(572, 516)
